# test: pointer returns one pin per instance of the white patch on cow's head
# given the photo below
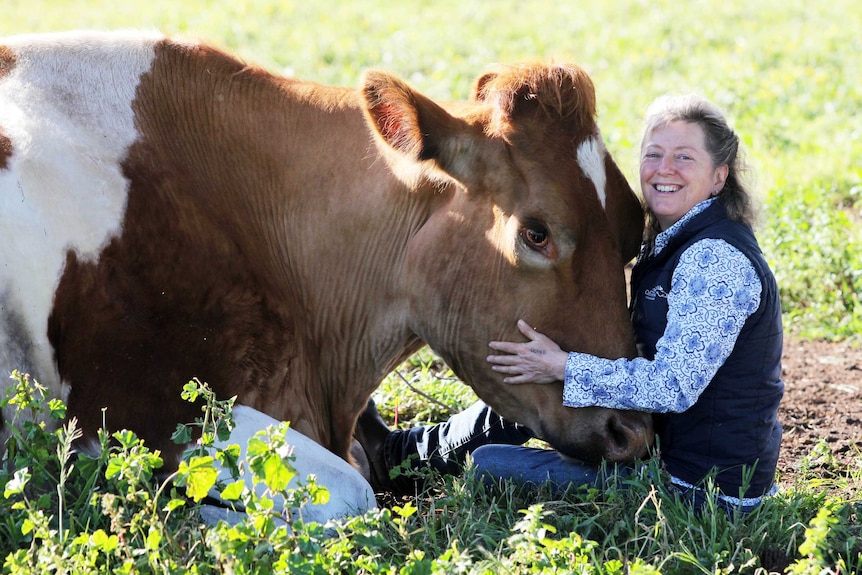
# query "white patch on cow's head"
(66, 109)
(591, 159)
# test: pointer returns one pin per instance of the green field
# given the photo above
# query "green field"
(788, 73)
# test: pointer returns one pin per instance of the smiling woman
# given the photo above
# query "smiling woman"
(686, 162)
(707, 320)
(708, 325)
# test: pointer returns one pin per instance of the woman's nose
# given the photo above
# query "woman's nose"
(666, 165)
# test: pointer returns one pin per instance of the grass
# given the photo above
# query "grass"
(70, 513)
(788, 74)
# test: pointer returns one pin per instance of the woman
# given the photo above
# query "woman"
(707, 320)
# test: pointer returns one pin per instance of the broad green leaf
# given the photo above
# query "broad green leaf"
(182, 435)
(104, 542)
(233, 491)
(198, 475)
(277, 472)
(154, 539)
(174, 504)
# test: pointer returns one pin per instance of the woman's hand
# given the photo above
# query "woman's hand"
(539, 360)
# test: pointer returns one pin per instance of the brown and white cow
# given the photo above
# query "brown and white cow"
(168, 212)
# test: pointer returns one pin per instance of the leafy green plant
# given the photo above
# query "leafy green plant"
(67, 512)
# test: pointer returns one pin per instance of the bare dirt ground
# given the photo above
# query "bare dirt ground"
(822, 400)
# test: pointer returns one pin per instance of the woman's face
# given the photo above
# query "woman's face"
(677, 171)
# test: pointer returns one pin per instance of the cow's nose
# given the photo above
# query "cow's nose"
(630, 435)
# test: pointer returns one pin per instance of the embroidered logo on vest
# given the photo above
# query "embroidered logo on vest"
(657, 291)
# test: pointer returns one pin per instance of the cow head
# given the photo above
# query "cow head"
(529, 218)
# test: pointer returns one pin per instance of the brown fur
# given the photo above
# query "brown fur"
(562, 92)
(268, 249)
(5, 150)
(181, 293)
(7, 60)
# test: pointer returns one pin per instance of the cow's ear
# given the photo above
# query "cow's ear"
(410, 122)
(625, 212)
(479, 92)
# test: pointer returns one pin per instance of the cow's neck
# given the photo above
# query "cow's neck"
(244, 179)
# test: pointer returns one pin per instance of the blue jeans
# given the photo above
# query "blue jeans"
(495, 445)
(535, 467)
(444, 446)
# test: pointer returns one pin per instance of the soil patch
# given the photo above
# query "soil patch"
(822, 400)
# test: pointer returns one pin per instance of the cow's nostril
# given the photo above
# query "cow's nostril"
(629, 436)
(618, 432)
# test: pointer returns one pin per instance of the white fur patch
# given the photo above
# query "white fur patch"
(591, 159)
(66, 107)
(349, 492)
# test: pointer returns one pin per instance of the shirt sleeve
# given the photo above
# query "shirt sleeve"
(714, 290)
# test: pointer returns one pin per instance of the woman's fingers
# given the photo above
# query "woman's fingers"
(506, 346)
(518, 380)
(503, 359)
(534, 361)
(527, 330)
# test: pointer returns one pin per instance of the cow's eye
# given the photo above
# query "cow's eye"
(535, 235)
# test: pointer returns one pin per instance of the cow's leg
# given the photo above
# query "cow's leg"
(22, 350)
(349, 493)
(360, 459)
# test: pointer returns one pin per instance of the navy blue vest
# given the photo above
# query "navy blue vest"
(734, 421)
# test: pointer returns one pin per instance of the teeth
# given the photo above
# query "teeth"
(663, 188)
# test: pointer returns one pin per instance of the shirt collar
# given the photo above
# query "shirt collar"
(664, 237)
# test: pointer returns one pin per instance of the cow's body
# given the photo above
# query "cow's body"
(168, 212)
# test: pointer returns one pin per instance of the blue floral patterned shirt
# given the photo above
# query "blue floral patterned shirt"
(714, 290)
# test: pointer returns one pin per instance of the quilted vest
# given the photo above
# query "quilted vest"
(734, 422)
